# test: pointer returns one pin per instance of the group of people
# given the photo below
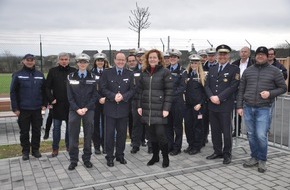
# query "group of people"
(152, 94)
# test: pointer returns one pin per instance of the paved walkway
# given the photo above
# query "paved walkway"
(184, 172)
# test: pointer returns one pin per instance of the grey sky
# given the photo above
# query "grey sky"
(188, 21)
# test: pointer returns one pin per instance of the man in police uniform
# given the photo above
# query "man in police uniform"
(117, 85)
(82, 95)
(175, 117)
(211, 61)
(221, 85)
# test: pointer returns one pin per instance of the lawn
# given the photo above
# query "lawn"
(14, 150)
(5, 80)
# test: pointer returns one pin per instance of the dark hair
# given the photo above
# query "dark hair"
(131, 55)
(273, 50)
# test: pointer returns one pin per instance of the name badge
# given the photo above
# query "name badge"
(97, 77)
(125, 80)
(136, 74)
(74, 82)
(90, 81)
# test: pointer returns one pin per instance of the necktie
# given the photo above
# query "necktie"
(171, 69)
(82, 76)
(119, 72)
(100, 71)
(220, 69)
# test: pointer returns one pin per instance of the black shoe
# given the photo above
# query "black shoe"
(110, 163)
(175, 152)
(144, 144)
(135, 149)
(187, 149)
(88, 164)
(25, 156)
(121, 160)
(150, 151)
(46, 135)
(193, 151)
(72, 166)
(165, 162)
(97, 151)
(214, 156)
(227, 159)
(36, 154)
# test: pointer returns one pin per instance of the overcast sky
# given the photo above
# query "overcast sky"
(72, 26)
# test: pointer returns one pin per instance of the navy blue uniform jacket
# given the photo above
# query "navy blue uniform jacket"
(111, 84)
(223, 85)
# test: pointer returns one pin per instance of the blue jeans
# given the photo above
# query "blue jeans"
(57, 134)
(257, 121)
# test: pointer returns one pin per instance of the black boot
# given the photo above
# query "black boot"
(46, 134)
(164, 151)
(155, 157)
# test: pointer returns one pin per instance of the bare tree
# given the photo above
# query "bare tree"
(10, 60)
(139, 20)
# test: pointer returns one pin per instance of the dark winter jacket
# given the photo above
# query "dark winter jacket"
(281, 68)
(155, 95)
(56, 89)
(27, 90)
(258, 78)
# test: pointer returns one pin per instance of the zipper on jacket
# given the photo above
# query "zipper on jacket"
(150, 100)
(256, 97)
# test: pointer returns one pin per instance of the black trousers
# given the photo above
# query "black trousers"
(205, 119)
(113, 125)
(98, 137)
(138, 130)
(48, 120)
(193, 128)
(74, 132)
(175, 126)
(239, 122)
(221, 126)
(26, 119)
(157, 134)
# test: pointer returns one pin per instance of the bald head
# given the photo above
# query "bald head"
(245, 53)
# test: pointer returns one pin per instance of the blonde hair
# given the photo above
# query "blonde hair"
(145, 57)
(199, 71)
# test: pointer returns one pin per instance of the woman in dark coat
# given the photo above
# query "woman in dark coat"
(194, 99)
(154, 102)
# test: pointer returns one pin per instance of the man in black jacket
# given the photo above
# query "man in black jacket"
(117, 85)
(273, 61)
(27, 94)
(244, 62)
(260, 85)
(57, 96)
